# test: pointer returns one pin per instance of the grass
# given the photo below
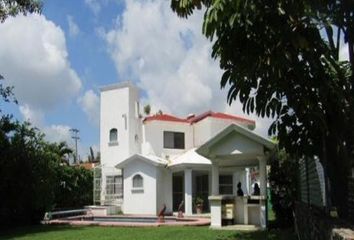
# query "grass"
(119, 233)
(271, 215)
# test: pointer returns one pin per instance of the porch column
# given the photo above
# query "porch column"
(247, 181)
(263, 175)
(263, 190)
(214, 179)
(188, 191)
(235, 180)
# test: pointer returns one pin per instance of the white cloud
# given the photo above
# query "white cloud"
(90, 104)
(34, 60)
(169, 58)
(35, 117)
(94, 5)
(74, 29)
(58, 133)
(167, 55)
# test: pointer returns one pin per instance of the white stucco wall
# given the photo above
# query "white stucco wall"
(154, 136)
(240, 176)
(135, 122)
(114, 103)
(207, 128)
(140, 202)
(237, 143)
(164, 189)
(202, 132)
(118, 110)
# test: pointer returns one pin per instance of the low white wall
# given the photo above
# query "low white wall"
(144, 201)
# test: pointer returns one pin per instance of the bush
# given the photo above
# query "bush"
(26, 174)
(74, 187)
(283, 182)
(33, 178)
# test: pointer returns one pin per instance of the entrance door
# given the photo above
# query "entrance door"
(178, 191)
(202, 190)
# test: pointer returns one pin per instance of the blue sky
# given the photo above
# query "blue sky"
(57, 61)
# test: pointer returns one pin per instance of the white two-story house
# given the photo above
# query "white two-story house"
(163, 159)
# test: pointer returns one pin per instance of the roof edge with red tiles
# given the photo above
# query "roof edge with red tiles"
(164, 117)
(195, 119)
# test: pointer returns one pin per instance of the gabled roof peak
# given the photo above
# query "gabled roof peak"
(221, 116)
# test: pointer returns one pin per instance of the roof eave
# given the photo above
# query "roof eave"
(204, 149)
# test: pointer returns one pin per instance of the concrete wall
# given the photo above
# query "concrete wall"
(143, 201)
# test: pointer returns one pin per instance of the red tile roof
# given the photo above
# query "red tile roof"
(221, 116)
(165, 117)
(191, 120)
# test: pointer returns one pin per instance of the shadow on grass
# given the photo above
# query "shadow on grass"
(282, 234)
(17, 232)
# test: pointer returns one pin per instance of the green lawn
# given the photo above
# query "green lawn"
(116, 233)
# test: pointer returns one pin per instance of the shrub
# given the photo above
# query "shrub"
(33, 178)
(283, 181)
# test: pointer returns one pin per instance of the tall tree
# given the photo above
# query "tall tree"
(281, 59)
(61, 150)
(14, 7)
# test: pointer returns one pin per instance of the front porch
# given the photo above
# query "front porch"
(237, 148)
(192, 183)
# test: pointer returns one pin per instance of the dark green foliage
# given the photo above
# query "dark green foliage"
(32, 175)
(147, 109)
(26, 174)
(6, 92)
(281, 59)
(283, 182)
(74, 187)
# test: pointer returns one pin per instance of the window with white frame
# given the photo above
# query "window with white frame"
(113, 136)
(225, 184)
(174, 140)
(114, 187)
(138, 182)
